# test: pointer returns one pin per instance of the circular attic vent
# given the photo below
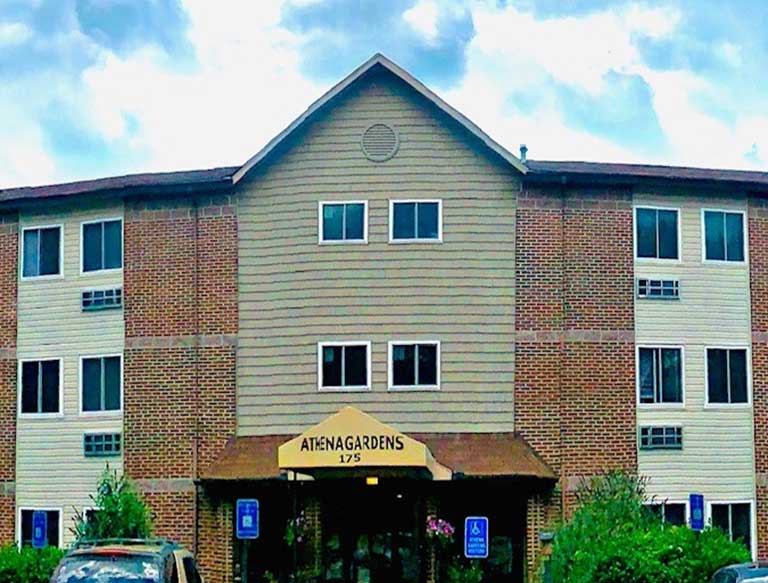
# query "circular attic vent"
(379, 142)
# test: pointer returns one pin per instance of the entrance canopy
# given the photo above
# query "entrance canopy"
(351, 439)
(351, 443)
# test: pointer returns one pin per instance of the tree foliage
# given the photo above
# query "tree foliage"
(118, 511)
(613, 538)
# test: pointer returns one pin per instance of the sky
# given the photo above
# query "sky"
(92, 88)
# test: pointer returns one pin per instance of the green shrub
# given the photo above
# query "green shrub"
(613, 538)
(119, 511)
(28, 565)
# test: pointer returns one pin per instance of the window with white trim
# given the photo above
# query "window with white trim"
(344, 365)
(672, 513)
(414, 365)
(656, 233)
(727, 375)
(343, 222)
(102, 245)
(735, 519)
(660, 375)
(41, 251)
(40, 387)
(723, 236)
(52, 526)
(414, 220)
(101, 383)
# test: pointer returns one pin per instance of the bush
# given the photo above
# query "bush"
(613, 538)
(28, 565)
(119, 511)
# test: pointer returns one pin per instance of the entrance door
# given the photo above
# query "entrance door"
(370, 535)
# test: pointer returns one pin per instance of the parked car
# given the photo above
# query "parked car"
(127, 561)
(748, 572)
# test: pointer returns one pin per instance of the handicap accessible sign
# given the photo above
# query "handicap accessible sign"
(247, 518)
(39, 529)
(696, 504)
(476, 537)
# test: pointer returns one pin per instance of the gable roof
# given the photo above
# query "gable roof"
(379, 61)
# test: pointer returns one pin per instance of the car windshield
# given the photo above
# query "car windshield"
(100, 568)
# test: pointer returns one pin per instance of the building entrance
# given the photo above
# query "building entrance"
(371, 534)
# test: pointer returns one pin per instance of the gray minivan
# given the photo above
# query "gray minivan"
(747, 572)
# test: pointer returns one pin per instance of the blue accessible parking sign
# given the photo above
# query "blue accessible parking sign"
(697, 511)
(39, 529)
(476, 537)
(247, 519)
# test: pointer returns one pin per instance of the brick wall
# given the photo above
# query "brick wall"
(758, 266)
(574, 356)
(181, 326)
(9, 244)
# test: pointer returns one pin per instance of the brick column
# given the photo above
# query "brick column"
(758, 268)
(181, 334)
(574, 355)
(9, 246)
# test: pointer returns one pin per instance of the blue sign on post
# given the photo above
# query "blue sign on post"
(697, 511)
(247, 519)
(476, 537)
(39, 529)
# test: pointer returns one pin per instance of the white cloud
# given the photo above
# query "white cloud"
(422, 17)
(13, 33)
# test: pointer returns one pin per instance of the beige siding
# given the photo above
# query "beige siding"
(52, 471)
(295, 293)
(718, 455)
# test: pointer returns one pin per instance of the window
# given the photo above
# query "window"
(343, 222)
(52, 526)
(658, 289)
(102, 245)
(414, 365)
(672, 513)
(344, 365)
(660, 375)
(102, 299)
(102, 444)
(101, 383)
(656, 233)
(727, 375)
(190, 570)
(723, 236)
(41, 251)
(413, 220)
(40, 387)
(735, 519)
(658, 437)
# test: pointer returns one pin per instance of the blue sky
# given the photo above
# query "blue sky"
(100, 87)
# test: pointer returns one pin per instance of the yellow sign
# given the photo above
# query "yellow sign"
(353, 439)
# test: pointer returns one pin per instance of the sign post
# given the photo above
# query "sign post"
(476, 537)
(696, 504)
(39, 529)
(247, 519)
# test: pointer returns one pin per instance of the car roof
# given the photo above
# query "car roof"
(125, 546)
(750, 570)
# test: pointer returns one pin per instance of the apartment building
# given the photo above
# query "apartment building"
(382, 316)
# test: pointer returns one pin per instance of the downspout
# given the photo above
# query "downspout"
(196, 390)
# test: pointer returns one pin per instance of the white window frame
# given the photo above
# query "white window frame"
(343, 389)
(748, 404)
(60, 412)
(390, 366)
(82, 246)
(393, 201)
(660, 260)
(24, 229)
(322, 241)
(44, 509)
(752, 518)
(656, 406)
(111, 413)
(744, 224)
(664, 501)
